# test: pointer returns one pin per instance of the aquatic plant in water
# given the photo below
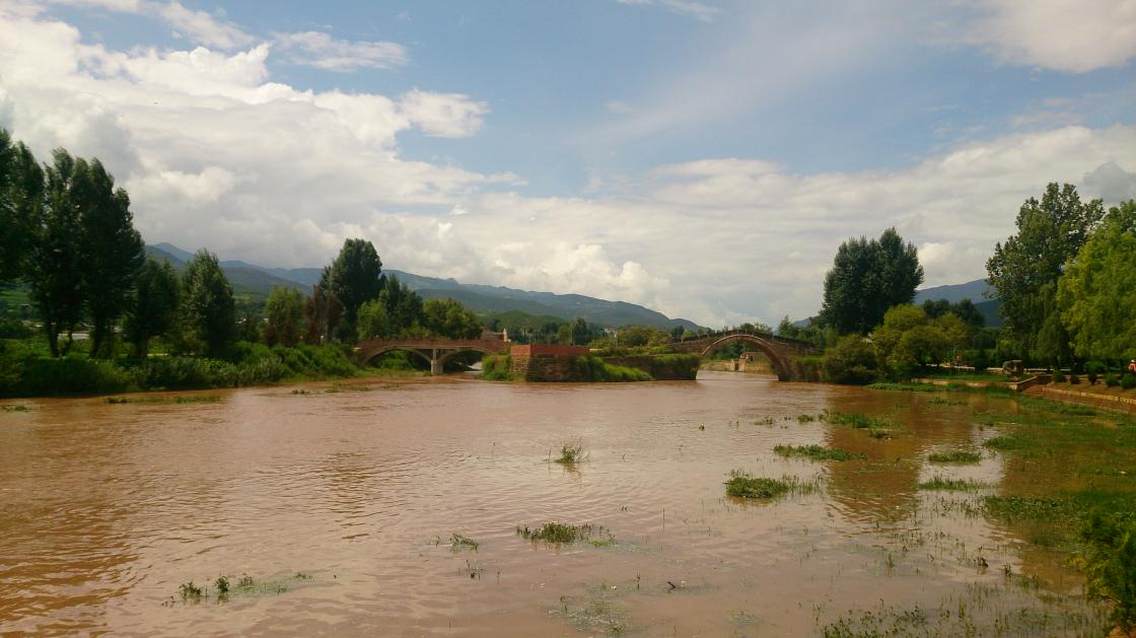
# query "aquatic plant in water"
(817, 453)
(743, 485)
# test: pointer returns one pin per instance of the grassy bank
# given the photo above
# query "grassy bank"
(26, 371)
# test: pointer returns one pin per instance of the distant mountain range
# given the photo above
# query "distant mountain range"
(255, 282)
(978, 291)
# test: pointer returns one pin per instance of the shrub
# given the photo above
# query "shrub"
(591, 368)
(496, 367)
(1112, 380)
(72, 375)
(1110, 562)
(1074, 380)
(1059, 376)
(852, 361)
(1128, 381)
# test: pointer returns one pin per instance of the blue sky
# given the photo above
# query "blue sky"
(631, 149)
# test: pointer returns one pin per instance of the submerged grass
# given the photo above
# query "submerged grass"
(817, 453)
(940, 483)
(957, 457)
(571, 453)
(458, 542)
(744, 485)
(876, 428)
(561, 533)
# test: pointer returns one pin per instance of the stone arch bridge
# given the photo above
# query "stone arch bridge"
(435, 351)
(781, 352)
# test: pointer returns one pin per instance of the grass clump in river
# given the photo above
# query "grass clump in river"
(956, 457)
(561, 533)
(744, 485)
(16, 408)
(817, 453)
(941, 484)
(876, 428)
(458, 542)
(571, 453)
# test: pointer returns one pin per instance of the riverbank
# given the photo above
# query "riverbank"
(25, 372)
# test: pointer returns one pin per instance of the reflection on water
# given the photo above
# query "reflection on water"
(108, 508)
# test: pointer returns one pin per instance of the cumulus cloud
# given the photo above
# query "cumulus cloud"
(216, 153)
(320, 50)
(1064, 35)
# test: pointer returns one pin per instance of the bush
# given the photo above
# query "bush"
(15, 329)
(851, 361)
(1112, 380)
(591, 368)
(1110, 563)
(1128, 381)
(1074, 380)
(72, 375)
(496, 367)
(1059, 377)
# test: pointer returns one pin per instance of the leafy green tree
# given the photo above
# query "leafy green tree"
(21, 200)
(322, 314)
(866, 279)
(1025, 269)
(153, 308)
(964, 310)
(1097, 293)
(55, 268)
(111, 250)
(354, 278)
(638, 336)
(208, 307)
(449, 318)
(403, 305)
(852, 361)
(373, 322)
(284, 311)
(908, 340)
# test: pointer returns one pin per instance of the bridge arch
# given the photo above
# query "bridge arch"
(777, 358)
(380, 351)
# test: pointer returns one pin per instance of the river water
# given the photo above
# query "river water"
(340, 504)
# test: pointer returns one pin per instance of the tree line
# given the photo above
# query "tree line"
(1066, 280)
(70, 238)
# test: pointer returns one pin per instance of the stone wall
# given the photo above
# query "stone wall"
(545, 362)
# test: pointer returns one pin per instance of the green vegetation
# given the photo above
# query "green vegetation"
(592, 368)
(939, 483)
(744, 485)
(1026, 268)
(562, 533)
(459, 542)
(866, 279)
(817, 453)
(497, 367)
(958, 457)
(1097, 289)
(571, 453)
(1110, 564)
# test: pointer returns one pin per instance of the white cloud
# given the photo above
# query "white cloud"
(320, 50)
(202, 27)
(1064, 35)
(697, 10)
(443, 114)
(217, 154)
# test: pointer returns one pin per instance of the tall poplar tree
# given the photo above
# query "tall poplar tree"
(111, 251)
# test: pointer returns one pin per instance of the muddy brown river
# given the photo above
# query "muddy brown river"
(339, 507)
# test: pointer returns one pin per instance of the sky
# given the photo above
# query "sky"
(703, 158)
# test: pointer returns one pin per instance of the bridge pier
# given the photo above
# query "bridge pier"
(436, 366)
